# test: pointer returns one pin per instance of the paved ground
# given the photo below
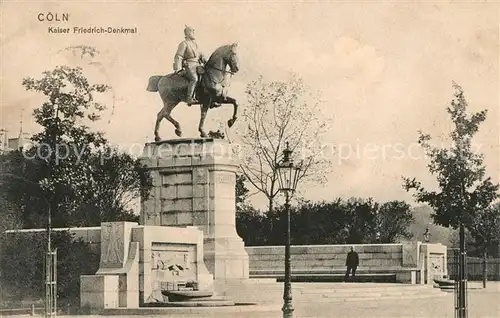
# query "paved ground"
(483, 303)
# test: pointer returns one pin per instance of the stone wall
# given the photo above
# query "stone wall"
(429, 259)
(319, 257)
(91, 235)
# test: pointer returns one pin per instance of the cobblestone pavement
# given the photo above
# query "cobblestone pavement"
(483, 303)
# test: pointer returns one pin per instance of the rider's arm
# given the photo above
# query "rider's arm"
(179, 55)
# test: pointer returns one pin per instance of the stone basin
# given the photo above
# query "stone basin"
(444, 283)
(187, 295)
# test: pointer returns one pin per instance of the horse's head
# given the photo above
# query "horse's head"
(231, 58)
(223, 56)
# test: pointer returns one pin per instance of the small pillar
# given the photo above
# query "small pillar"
(116, 283)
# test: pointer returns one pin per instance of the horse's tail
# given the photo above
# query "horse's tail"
(153, 83)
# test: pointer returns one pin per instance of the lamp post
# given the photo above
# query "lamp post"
(51, 257)
(461, 310)
(288, 176)
(427, 235)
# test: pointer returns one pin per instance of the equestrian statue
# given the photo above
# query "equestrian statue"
(195, 81)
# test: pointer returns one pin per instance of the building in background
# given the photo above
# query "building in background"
(11, 142)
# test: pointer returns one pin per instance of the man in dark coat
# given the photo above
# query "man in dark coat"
(352, 263)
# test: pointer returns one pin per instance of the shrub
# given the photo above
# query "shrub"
(23, 265)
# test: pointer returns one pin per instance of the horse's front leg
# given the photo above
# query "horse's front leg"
(233, 101)
(159, 117)
(204, 110)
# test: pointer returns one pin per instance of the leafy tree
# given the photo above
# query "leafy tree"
(71, 170)
(464, 189)
(65, 143)
(485, 231)
(241, 190)
(280, 112)
(392, 222)
(318, 223)
(359, 220)
(353, 221)
(252, 226)
(115, 183)
(19, 185)
(464, 192)
(10, 217)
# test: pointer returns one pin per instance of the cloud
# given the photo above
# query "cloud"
(356, 61)
(349, 59)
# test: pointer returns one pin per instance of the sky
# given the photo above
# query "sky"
(385, 70)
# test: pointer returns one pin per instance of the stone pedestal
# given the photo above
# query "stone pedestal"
(98, 292)
(116, 283)
(194, 185)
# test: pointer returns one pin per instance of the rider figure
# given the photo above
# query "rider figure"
(189, 58)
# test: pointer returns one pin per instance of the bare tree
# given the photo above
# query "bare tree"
(278, 112)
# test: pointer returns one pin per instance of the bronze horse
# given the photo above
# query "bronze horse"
(210, 92)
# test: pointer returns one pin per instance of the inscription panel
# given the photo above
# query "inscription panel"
(224, 178)
(177, 178)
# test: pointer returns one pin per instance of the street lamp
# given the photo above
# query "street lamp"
(288, 176)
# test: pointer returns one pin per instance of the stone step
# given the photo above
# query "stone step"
(304, 292)
(367, 278)
(357, 295)
(365, 270)
(350, 285)
(340, 287)
(372, 298)
(342, 291)
(362, 285)
(204, 303)
(334, 293)
(264, 280)
(367, 289)
(361, 294)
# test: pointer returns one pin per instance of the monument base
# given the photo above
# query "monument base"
(138, 263)
(227, 259)
(193, 185)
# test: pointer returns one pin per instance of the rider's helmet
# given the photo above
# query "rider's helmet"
(188, 31)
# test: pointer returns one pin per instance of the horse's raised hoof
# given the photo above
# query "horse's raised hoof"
(178, 132)
(230, 122)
